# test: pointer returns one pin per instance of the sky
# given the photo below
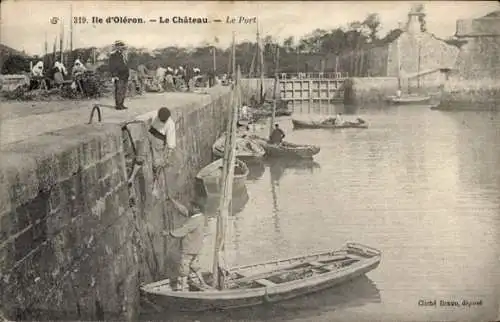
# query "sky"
(25, 24)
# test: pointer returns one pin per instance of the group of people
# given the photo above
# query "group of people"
(170, 79)
(338, 120)
(164, 79)
(58, 74)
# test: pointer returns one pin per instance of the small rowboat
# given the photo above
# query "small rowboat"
(267, 113)
(245, 148)
(320, 125)
(287, 149)
(269, 282)
(211, 175)
(409, 99)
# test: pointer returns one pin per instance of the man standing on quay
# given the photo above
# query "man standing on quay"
(119, 72)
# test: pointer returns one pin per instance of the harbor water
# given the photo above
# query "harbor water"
(422, 186)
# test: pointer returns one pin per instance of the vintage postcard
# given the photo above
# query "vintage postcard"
(250, 161)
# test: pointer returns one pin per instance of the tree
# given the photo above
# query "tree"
(288, 44)
(372, 23)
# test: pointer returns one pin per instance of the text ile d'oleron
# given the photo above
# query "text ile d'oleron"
(163, 20)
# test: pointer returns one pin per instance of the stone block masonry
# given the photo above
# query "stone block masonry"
(71, 245)
(369, 90)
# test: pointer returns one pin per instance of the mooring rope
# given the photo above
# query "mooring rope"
(99, 115)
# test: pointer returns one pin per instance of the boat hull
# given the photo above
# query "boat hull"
(230, 299)
(211, 179)
(287, 149)
(317, 125)
(409, 100)
(246, 149)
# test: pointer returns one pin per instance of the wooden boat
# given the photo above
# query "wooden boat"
(297, 124)
(287, 149)
(270, 282)
(245, 148)
(409, 99)
(267, 113)
(211, 174)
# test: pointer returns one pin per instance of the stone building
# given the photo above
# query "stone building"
(412, 51)
(479, 57)
(476, 85)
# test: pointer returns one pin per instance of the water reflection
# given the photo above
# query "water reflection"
(256, 169)
(238, 202)
(356, 293)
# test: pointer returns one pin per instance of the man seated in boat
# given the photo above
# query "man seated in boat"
(244, 112)
(339, 120)
(359, 120)
(330, 120)
(242, 129)
(191, 240)
(277, 135)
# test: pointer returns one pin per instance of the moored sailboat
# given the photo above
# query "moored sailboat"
(408, 99)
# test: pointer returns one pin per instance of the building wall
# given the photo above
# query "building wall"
(369, 90)
(477, 84)
(480, 58)
(72, 245)
(432, 53)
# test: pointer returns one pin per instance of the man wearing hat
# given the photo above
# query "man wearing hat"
(120, 73)
(191, 241)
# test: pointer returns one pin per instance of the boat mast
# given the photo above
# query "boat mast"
(261, 58)
(45, 48)
(276, 80)
(418, 65)
(399, 63)
(70, 57)
(61, 42)
(227, 178)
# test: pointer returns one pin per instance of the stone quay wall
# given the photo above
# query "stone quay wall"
(369, 90)
(476, 85)
(76, 241)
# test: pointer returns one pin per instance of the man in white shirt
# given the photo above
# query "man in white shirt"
(160, 78)
(339, 120)
(163, 141)
(163, 128)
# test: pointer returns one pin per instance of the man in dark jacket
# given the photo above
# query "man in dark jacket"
(277, 135)
(120, 73)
